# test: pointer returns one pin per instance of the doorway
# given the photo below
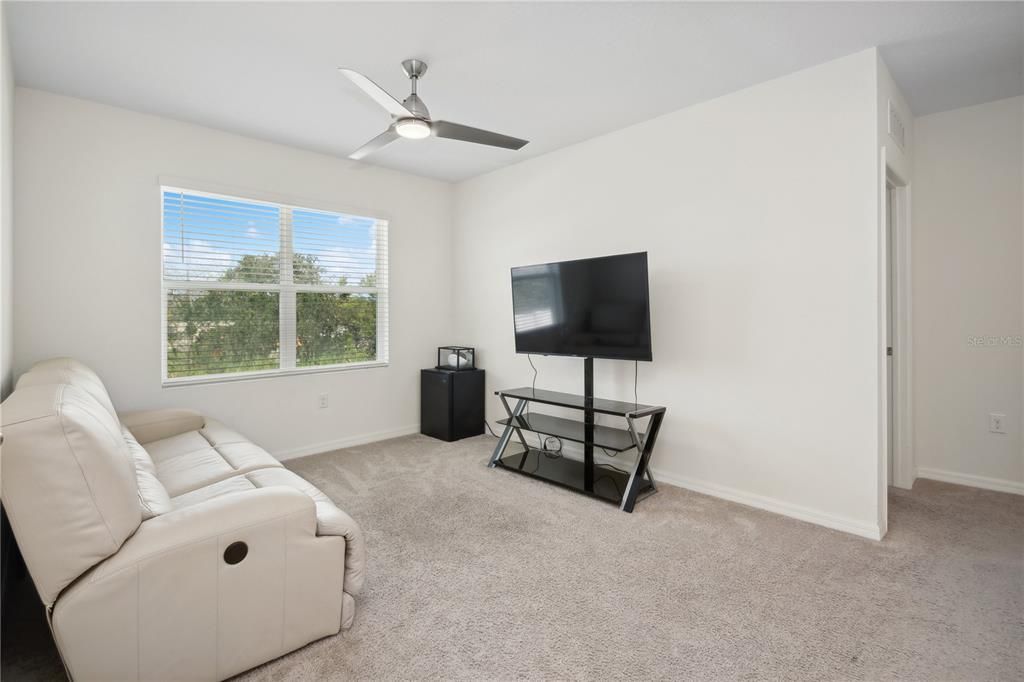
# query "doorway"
(898, 441)
(890, 334)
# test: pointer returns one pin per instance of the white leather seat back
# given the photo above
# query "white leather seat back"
(69, 371)
(153, 497)
(68, 482)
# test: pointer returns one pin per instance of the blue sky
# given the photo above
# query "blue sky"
(205, 236)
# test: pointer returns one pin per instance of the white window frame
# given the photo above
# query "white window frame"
(285, 288)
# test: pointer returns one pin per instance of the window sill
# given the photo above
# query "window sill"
(271, 374)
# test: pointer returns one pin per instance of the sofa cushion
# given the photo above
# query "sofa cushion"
(263, 478)
(235, 484)
(196, 459)
(153, 497)
(150, 425)
(175, 446)
(218, 434)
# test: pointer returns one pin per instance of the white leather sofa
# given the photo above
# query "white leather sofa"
(125, 522)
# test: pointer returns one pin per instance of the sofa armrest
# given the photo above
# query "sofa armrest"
(333, 521)
(207, 521)
(173, 603)
(150, 425)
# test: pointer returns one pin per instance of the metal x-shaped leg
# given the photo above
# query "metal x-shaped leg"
(506, 435)
(644, 447)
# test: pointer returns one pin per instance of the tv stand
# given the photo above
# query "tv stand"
(623, 488)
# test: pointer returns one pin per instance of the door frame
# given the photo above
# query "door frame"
(903, 410)
(904, 472)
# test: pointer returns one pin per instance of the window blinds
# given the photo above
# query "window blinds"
(252, 286)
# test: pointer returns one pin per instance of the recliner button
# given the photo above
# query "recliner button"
(235, 552)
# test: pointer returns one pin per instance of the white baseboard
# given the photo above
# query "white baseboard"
(847, 525)
(997, 484)
(840, 523)
(866, 530)
(348, 442)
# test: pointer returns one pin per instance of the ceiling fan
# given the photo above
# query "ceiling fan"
(411, 119)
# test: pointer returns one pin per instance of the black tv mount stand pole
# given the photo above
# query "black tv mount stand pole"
(588, 424)
(612, 485)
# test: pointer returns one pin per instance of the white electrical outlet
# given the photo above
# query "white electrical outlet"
(995, 422)
(323, 400)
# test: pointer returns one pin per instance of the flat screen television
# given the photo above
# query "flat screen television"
(594, 307)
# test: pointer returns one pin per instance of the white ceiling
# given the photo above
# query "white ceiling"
(553, 73)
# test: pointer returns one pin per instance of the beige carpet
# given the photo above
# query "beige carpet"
(481, 574)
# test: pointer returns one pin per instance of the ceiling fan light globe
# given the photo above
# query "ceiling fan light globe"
(413, 128)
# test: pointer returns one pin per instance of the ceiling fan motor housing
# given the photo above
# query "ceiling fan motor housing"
(415, 105)
(414, 70)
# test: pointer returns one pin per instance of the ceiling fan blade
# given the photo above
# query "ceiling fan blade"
(382, 140)
(379, 94)
(456, 131)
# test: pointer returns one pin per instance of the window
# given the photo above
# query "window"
(253, 287)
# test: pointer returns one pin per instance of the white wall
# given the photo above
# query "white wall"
(759, 213)
(88, 265)
(6, 210)
(967, 251)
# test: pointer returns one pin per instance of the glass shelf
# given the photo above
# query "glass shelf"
(607, 437)
(609, 484)
(575, 401)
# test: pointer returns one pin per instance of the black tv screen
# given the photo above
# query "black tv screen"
(594, 307)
